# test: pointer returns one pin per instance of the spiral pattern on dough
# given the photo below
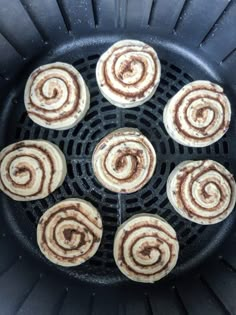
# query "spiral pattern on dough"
(198, 115)
(31, 169)
(56, 96)
(70, 232)
(128, 73)
(202, 191)
(124, 161)
(146, 248)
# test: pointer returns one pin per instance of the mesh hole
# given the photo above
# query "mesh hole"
(157, 183)
(171, 76)
(145, 122)
(225, 147)
(151, 202)
(164, 203)
(90, 115)
(109, 126)
(67, 188)
(107, 108)
(163, 190)
(150, 104)
(84, 182)
(171, 145)
(166, 213)
(110, 117)
(111, 201)
(87, 168)
(164, 82)
(77, 188)
(93, 57)
(96, 194)
(163, 147)
(79, 62)
(95, 123)
(131, 116)
(146, 194)
(160, 100)
(176, 69)
(77, 130)
(70, 147)
(188, 77)
(95, 134)
(78, 169)
(78, 148)
(150, 115)
(84, 134)
(163, 168)
(70, 171)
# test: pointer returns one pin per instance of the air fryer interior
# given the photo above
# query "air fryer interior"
(194, 39)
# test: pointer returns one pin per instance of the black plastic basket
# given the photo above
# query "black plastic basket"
(195, 39)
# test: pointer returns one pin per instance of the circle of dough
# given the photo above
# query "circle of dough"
(202, 191)
(124, 160)
(128, 73)
(145, 248)
(198, 115)
(56, 96)
(31, 169)
(70, 232)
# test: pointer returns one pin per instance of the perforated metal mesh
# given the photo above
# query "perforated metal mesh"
(78, 145)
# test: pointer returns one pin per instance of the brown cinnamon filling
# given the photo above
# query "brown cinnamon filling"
(148, 249)
(69, 232)
(44, 111)
(181, 200)
(137, 159)
(200, 112)
(119, 92)
(22, 145)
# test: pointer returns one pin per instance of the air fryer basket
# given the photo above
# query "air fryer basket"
(195, 39)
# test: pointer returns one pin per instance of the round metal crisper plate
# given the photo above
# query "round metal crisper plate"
(196, 241)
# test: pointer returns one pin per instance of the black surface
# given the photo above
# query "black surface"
(194, 41)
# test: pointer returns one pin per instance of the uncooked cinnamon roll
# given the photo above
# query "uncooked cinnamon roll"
(124, 161)
(56, 96)
(146, 248)
(31, 169)
(198, 115)
(128, 73)
(70, 232)
(202, 191)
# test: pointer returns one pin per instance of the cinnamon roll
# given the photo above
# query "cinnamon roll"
(202, 191)
(198, 115)
(56, 96)
(146, 248)
(31, 169)
(70, 232)
(128, 73)
(124, 161)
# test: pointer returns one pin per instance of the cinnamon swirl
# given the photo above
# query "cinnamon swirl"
(146, 248)
(124, 161)
(128, 73)
(202, 191)
(70, 232)
(56, 96)
(198, 115)
(31, 169)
